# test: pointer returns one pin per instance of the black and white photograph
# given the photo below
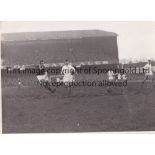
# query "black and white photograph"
(77, 77)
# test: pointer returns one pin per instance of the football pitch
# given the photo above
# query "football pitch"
(33, 109)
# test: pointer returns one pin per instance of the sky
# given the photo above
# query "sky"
(136, 40)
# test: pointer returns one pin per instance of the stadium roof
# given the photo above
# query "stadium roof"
(48, 35)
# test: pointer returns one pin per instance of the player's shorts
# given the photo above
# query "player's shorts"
(67, 79)
(149, 76)
(19, 83)
(110, 78)
(42, 78)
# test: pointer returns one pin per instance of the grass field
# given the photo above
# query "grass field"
(36, 110)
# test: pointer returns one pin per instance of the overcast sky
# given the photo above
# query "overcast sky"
(135, 40)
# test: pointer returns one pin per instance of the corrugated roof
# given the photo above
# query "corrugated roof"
(47, 35)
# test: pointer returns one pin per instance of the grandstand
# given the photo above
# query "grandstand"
(54, 47)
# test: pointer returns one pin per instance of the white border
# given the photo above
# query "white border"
(77, 144)
(77, 10)
(0, 88)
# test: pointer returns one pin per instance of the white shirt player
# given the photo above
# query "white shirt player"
(110, 75)
(119, 76)
(148, 69)
(124, 77)
(67, 70)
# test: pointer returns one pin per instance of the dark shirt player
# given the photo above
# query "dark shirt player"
(42, 68)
